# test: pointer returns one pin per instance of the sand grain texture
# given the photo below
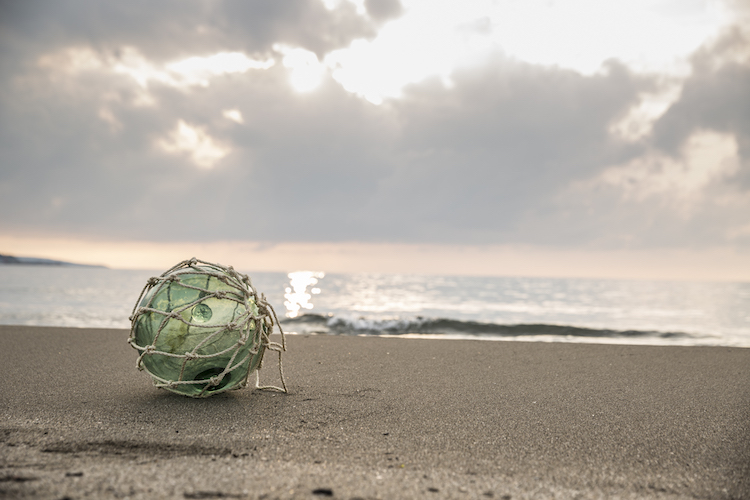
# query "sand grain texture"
(379, 418)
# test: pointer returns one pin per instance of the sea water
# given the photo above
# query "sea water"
(489, 308)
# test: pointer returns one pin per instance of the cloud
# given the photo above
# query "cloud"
(707, 158)
(638, 122)
(690, 186)
(181, 74)
(689, 199)
(444, 163)
(715, 96)
(202, 149)
(383, 10)
(472, 158)
(306, 70)
(176, 27)
(234, 115)
(102, 108)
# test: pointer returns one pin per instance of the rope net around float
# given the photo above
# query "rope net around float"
(202, 328)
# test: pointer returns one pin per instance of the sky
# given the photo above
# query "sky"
(582, 138)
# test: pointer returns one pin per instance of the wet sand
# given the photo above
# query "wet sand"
(378, 418)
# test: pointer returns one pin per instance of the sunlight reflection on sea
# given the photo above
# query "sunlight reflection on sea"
(499, 308)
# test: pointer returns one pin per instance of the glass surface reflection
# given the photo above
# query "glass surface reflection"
(296, 294)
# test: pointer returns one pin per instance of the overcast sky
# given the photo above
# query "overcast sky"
(573, 125)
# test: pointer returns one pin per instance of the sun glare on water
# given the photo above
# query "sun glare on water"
(296, 294)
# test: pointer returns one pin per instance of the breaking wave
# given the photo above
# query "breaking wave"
(329, 324)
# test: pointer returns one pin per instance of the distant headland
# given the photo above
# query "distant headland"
(34, 261)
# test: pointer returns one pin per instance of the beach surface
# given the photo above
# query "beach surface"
(370, 417)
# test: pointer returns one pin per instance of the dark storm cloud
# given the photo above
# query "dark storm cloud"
(488, 158)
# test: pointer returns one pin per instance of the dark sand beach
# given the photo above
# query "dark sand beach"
(378, 418)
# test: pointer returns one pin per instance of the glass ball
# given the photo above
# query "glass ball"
(196, 331)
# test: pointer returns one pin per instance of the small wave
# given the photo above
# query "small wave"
(329, 324)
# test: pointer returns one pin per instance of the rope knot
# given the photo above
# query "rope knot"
(249, 330)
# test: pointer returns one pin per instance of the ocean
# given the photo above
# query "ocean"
(487, 308)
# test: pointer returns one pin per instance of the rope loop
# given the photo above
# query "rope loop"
(190, 348)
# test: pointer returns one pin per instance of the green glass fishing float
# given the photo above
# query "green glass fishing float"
(201, 329)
